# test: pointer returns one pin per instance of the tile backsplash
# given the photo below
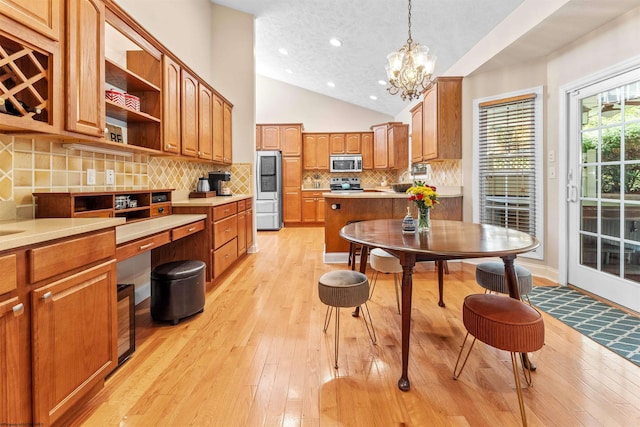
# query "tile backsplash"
(446, 173)
(28, 165)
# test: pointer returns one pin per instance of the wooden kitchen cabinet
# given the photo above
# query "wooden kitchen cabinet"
(270, 137)
(85, 67)
(205, 123)
(416, 133)
(291, 140)
(73, 321)
(42, 16)
(441, 121)
(366, 142)
(15, 381)
(284, 137)
(353, 143)
(390, 145)
(292, 185)
(315, 151)
(218, 129)
(219, 246)
(249, 223)
(227, 138)
(171, 119)
(103, 204)
(337, 143)
(41, 67)
(245, 226)
(189, 114)
(312, 207)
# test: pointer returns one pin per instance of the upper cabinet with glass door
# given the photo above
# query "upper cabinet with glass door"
(133, 76)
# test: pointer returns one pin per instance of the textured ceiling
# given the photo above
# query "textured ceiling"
(369, 30)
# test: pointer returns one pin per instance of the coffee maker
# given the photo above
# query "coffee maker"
(216, 179)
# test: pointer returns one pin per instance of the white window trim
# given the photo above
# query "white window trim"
(539, 129)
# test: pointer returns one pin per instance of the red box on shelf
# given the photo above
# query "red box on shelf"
(132, 101)
(115, 96)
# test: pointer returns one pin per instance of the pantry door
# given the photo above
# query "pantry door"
(604, 189)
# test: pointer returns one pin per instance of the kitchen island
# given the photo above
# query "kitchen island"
(342, 207)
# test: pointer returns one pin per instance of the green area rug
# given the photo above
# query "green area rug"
(606, 325)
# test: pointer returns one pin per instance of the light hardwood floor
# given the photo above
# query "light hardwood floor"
(257, 356)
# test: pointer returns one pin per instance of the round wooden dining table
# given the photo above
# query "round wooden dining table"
(446, 240)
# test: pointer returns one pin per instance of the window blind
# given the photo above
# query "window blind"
(507, 163)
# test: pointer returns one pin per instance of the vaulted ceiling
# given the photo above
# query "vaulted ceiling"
(454, 30)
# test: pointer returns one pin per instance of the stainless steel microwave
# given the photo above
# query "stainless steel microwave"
(348, 163)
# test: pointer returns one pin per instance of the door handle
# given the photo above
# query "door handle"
(18, 309)
(47, 296)
(572, 193)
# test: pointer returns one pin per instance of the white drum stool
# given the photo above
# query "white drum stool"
(344, 288)
(382, 261)
(490, 275)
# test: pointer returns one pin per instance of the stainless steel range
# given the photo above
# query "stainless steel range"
(345, 185)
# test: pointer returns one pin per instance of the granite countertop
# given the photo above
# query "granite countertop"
(210, 201)
(388, 193)
(18, 233)
(137, 230)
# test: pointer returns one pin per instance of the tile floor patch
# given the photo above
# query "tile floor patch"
(606, 325)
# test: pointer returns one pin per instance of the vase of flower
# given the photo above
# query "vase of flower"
(424, 219)
(425, 198)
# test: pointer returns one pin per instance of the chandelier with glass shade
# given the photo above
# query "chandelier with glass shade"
(410, 69)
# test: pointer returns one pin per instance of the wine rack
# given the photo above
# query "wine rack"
(26, 85)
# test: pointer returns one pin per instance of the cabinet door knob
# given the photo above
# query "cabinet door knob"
(47, 296)
(18, 309)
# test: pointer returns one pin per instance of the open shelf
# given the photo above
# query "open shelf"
(101, 204)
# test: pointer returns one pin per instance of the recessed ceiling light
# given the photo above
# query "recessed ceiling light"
(373, 97)
(382, 82)
(289, 70)
(335, 42)
(331, 84)
(283, 51)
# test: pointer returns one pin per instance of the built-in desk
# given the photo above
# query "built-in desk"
(135, 238)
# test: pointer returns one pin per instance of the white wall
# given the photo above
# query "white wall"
(612, 43)
(278, 102)
(233, 74)
(217, 43)
(183, 27)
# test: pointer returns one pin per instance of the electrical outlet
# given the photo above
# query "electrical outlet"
(110, 177)
(551, 156)
(91, 177)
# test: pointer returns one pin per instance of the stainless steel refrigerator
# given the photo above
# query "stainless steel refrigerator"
(269, 187)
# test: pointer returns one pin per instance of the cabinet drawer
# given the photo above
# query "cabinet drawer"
(58, 258)
(160, 209)
(132, 249)
(224, 257)
(185, 230)
(9, 280)
(224, 230)
(242, 205)
(224, 211)
(248, 203)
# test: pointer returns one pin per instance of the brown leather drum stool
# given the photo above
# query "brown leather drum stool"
(504, 323)
(344, 288)
(177, 290)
